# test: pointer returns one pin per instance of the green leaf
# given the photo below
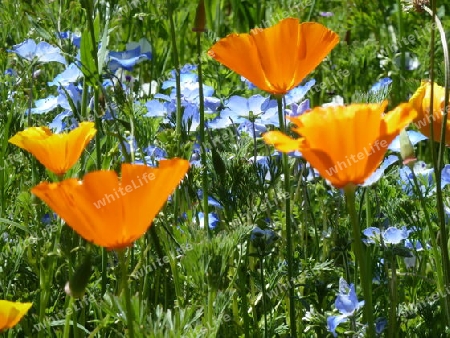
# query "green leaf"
(87, 57)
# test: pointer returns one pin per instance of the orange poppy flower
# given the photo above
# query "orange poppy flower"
(421, 102)
(278, 58)
(109, 212)
(344, 143)
(57, 152)
(11, 313)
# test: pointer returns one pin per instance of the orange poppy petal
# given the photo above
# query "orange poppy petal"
(397, 119)
(154, 186)
(281, 142)
(289, 51)
(238, 53)
(112, 213)
(317, 42)
(277, 49)
(57, 152)
(11, 313)
(346, 144)
(417, 98)
(276, 59)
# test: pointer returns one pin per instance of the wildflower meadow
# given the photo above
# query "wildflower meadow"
(224, 168)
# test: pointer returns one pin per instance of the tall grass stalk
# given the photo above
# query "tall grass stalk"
(438, 161)
(287, 210)
(362, 258)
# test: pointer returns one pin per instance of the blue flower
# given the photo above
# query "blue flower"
(186, 76)
(240, 110)
(153, 154)
(74, 38)
(42, 52)
(242, 106)
(213, 220)
(156, 108)
(58, 124)
(248, 83)
(135, 53)
(376, 176)
(73, 92)
(45, 105)
(424, 177)
(414, 136)
(298, 109)
(346, 303)
(297, 94)
(48, 218)
(382, 84)
(380, 325)
(414, 245)
(263, 240)
(391, 235)
(334, 321)
(251, 128)
(70, 75)
(445, 176)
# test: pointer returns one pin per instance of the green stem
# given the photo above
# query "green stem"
(287, 200)
(434, 244)
(67, 322)
(399, 92)
(362, 258)
(443, 243)
(202, 134)
(126, 291)
(263, 288)
(179, 113)
(392, 329)
(176, 63)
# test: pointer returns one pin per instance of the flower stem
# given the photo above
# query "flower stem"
(443, 243)
(202, 133)
(263, 288)
(392, 329)
(125, 289)
(362, 258)
(287, 204)
(67, 322)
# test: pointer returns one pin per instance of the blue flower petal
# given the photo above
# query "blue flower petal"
(414, 136)
(45, 105)
(42, 52)
(297, 94)
(394, 236)
(334, 321)
(70, 75)
(58, 124)
(381, 84)
(376, 176)
(155, 108)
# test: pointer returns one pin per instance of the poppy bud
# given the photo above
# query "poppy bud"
(77, 284)
(200, 18)
(407, 149)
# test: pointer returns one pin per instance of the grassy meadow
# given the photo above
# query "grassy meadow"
(240, 231)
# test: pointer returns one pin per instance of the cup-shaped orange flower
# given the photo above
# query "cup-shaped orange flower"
(109, 212)
(11, 313)
(278, 58)
(344, 143)
(421, 102)
(57, 152)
